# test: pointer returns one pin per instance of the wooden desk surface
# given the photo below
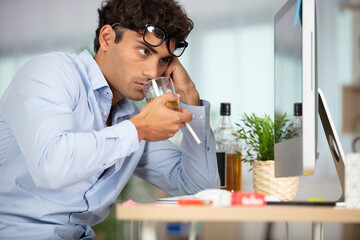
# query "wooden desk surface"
(153, 212)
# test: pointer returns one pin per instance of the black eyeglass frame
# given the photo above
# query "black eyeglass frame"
(165, 36)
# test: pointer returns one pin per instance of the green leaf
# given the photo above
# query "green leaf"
(260, 133)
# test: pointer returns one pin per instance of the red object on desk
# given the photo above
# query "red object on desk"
(193, 202)
(248, 199)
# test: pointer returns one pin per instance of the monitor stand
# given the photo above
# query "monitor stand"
(332, 138)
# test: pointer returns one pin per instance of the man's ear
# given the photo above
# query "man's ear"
(106, 37)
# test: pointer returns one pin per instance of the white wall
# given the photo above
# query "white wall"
(29, 28)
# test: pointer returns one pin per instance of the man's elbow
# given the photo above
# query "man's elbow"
(50, 176)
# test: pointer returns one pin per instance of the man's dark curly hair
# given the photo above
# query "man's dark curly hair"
(134, 14)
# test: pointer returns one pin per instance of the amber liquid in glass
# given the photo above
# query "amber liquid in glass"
(233, 173)
(174, 105)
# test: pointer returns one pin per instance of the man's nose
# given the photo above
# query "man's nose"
(153, 69)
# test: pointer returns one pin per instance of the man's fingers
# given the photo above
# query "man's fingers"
(168, 97)
(187, 116)
(171, 68)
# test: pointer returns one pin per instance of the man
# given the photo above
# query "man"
(71, 138)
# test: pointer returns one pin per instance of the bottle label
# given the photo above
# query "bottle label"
(221, 162)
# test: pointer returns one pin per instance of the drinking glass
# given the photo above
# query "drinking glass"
(159, 86)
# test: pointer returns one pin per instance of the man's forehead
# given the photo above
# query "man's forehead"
(153, 37)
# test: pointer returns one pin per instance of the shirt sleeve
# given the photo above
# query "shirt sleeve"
(189, 169)
(41, 112)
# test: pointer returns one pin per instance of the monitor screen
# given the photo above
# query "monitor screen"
(295, 83)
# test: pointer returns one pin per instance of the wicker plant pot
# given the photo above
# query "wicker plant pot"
(265, 182)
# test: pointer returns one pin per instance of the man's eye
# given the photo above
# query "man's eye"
(166, 59)
(144, 51)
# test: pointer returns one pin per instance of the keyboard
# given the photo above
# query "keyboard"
(269, 201)
(307, 203)
(173, 200)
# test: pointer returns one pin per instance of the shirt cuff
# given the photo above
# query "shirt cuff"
(201, 118)
(201, 114)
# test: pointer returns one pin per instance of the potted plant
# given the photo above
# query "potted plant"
(259, 133)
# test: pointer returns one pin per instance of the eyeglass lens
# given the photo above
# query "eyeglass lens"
(155, 37)
(177, 46)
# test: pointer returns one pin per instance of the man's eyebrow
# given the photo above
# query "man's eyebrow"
(148, 46)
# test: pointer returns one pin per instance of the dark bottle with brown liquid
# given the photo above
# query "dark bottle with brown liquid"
(228, 151)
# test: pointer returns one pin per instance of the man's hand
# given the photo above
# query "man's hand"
(156, 122)
(182, 83)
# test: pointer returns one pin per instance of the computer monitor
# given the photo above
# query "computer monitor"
(295, 81)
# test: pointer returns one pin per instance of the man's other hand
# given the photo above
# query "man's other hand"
(182, 83)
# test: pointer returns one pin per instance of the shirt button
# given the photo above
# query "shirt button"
(105, 113)
(201, 117)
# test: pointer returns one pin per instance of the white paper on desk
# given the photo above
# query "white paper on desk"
(352, 180)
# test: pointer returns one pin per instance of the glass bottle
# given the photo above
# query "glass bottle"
(227, 146)
(298, 118)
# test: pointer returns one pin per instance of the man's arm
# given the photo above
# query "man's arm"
(48, 112)
(189, 169)
(194, 167)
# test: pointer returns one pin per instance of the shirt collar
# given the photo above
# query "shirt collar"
(96, 77)
(125, 107)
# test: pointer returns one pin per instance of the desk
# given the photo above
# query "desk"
(171, 213)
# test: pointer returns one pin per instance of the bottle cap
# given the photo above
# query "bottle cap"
(225, 109)
(297, 109)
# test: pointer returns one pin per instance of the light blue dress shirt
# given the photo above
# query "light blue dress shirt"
(54, 145)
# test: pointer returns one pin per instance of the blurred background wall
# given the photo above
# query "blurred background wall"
(230, 59)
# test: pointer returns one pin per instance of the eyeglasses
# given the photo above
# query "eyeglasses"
(155, 36)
